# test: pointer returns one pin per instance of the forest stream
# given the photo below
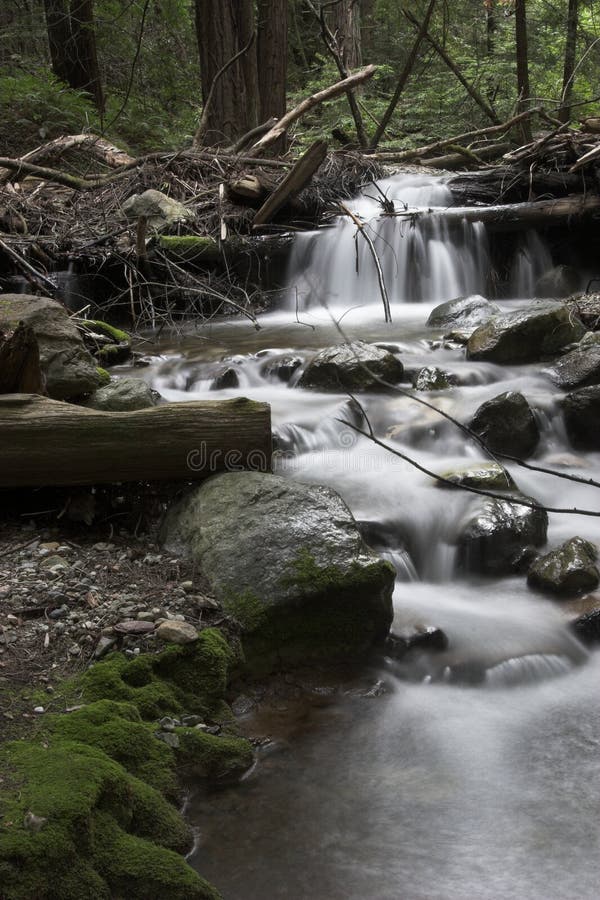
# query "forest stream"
(426, 786)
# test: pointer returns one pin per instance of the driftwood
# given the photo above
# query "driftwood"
(20, 363)
(45, 442)
(294, 182)
(334, 90)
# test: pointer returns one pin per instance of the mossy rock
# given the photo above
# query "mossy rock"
(202, 755)
(484, 476)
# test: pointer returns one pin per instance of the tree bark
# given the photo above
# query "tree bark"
(345, 25)
(45, 442)
(223, 28)
(367, 28)
(564, 113)
(84, 71)
(272, 27)
(522, 65)
(58, 26)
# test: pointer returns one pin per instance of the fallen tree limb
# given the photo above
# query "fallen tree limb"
(329, 93)
(294, 182)
(382, 288)
(456, 160)
(93, 145)
(45, 442)
(47, 286)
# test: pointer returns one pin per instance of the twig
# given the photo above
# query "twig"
(382, 288)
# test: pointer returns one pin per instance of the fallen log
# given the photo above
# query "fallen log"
(510, 216)
(46, 442)
(294, 182)
(92, 144)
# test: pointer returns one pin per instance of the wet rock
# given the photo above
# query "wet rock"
(281, 367)
(419, 637)
(526, 335)
(174, 632)
(558, 282)
(285, 559)
(507, 424)
(570, 569)
(430, 378)
(495, 533)
(225, 378)
(587, 627)
(489, 476)
(579, 368)
(462, 313)
(108, 344)
(355, 366)
(123, 395)
(581, 410)
(69, 369)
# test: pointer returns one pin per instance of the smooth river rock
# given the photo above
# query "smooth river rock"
(526, 335)
(506, 424)
(287, 561)
(581, 411)
(356, 366)
(68, 368)
(123, 395)
(579, 368)
(462, 313)
(496, 533)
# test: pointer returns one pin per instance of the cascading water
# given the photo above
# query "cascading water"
(474, 772)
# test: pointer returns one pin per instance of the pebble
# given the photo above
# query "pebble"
(176, 632)
(39, 709)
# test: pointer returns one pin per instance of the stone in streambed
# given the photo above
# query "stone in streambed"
(570, 569)
(495, 532)
(430, 378)
(507, 424)
(462, 313)
(579, 368)
(356, 366)
(526, 335)
(286, 560)
(581, 410)
(484, 476)
(123, 395)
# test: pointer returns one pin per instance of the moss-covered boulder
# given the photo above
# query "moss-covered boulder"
(526, 335)
(507, 424)
(568, 570)
(110, 345)
(355, 366)
(484, 476)
(68, 367)
(495, 533)
(286, 559)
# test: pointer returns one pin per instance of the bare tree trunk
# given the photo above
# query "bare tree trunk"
(272, 26)
(490, 25)
(522, 65)
(367, 28)
(84, 71)
(345, 25)
(564, 113)
(223, 28)
(58, 26)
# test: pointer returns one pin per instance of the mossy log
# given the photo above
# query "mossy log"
(201, 251)
(45, 442)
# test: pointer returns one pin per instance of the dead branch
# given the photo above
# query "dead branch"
(361, 230)
(95, 146)
(294, 182)
(32, 274)
(404, 76)
(309, 103)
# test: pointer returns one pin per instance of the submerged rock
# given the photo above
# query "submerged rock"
(579, 368)
(68, 368)
(570, 569)
(496, 532)
(356, 366)
(587, 627)
(507, 424)
(286, 559)
(581, 411)
(462, 313)
(281, 367)
(226, 378)
(485, 476)
(526, 335)
(430, 378)
(123, 395)
(428, 638)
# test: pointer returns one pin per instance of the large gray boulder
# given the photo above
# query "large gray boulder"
(355, 366)
(69, 369)
(285, 559)
(507, 424)
(526, 335)
(568, 570)
(581, 410)
(159, 210)
(123, 395)
(496, 533)
(462, 313)
(579, 368)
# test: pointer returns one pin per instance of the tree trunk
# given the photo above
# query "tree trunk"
(345, 25)
(45, 442)
(367, 28)
(58, 26)
(564, 113)
(490, 26)
(522, 66)
(271, 48)
(72, 44)
(223, 28)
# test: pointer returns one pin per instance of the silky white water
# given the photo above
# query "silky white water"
(434, 789)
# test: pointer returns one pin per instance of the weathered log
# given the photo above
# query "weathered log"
(45, 442)
(20, 370)
(458, 160)
(503, 184)
(295, 181)
(202, 251)
(92, 144)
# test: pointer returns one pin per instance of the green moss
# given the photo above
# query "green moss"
(103, 375)
(247, 607)
(207, 756)
(191, 248)
(117, 335)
